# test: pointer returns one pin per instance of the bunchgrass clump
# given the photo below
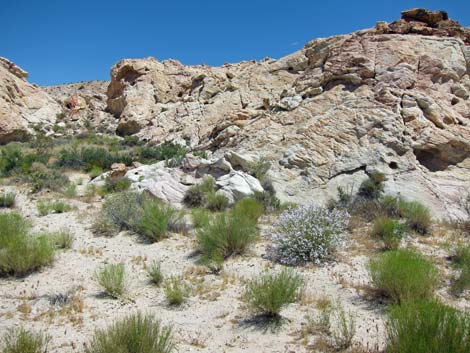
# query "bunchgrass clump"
(123, 209)
(45, 207)
(7, 200)
(155, 273)
(137, 333)
(216, 202)
(40, 177)
(417, 215)
(20, 252)
(71, 190)
(113, 279)
(308, 234)
(176, 291)
(63, 239)
(270, 292)
(200, 217)
(156, 220)
(115, 184)
(249, 207)
(390, 231)
(462, 262)
(20, 340)
(373, 187)
(404, 275)
(226, 234)
(427, 327)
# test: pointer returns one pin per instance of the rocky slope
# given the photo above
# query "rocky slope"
(393, 98)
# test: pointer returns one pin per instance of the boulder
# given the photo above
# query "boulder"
(237, 185)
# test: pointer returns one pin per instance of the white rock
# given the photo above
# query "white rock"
(237, 185)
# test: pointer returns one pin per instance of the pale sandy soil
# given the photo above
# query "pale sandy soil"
(214, 319)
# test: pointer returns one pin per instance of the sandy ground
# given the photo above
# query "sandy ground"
(214, 319)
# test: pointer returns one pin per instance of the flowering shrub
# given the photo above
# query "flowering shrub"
(308, 233)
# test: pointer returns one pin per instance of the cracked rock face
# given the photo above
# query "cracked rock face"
(21, 104)
(394, 98)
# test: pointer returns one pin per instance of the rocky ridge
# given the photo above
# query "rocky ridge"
(393, 98)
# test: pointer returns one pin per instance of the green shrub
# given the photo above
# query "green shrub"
(13, 160)
(390, 206)
(462, 262)
(123, 209)
(373, 187)
(21, 253)
(226, 234)
(104, 226)
(249, 207)
(269, 201)
(70, 191)
(196, 195)
(116, 184)
(40, 178)
(167, 151)
(155, 273)
(390, 231)
(156, 220)
(404, 275)
(259, 168)
(112, 278)
(95, 172)
(63, 239)
(7, 199)
(216, 202)
(176, 291)
(270, 292)
(45, 208)
(21, 341)
(427, 327)
(200, 217)
(417, 215)
(136, 333)
(88, 158)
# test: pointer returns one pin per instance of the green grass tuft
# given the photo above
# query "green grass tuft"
(21, 341)
(112, 278)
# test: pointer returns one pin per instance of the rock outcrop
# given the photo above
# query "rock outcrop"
(22, 104)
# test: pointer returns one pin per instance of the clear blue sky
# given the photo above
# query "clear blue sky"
(67, 41)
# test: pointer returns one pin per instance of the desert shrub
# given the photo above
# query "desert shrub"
(7, 199)
(270, 292)
(259, 168)
(123, 209)
(131, 141)
(136, 333)
(249, 207)
(390, 206)
(346, 329)
(104, 226)
(427, 327)
(63, 239)
(155, 273)
(200, 217)
(113, 279)
(201, 154)
(176, 291)
(21, 253)
(390, 231)
(269, 201)
(95, 172)
(88, 158)
(462, 262)
(226, 234)
(404, 275)
(45, 208)
(156, 220)
(116, 184)
(14, 160)
(417, 215)
(308, 234)
(40, 177)
(196, 195)
(71, 190)
(372, 187)
(216, 202)
(21, 341)
(167, 151)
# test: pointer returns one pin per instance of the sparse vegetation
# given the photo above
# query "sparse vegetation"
(390, 231)
(249, 207)
(259, 168)
(20, 340)
(113, 279)
(45, 207)
(404, 275)
(216, 202)
(89, 157)
(7, 200)
(197, 195)
(308, 234)
(137, 333)
(462, 262)
(270, 292)
(156, 220)
(373, 187)
(63, 239)
(116, 184)
(172, 153)
(427, 327)
(417, 215)
(176, 291)
(155, 273)
(200, 217)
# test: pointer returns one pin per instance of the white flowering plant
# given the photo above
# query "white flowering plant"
(308, 233)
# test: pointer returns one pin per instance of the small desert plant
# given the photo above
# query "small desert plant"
(21, 253)
(123, 209)
(462, 262)
(270, 292)
(417, 215)
(373, 187)
(308, 233)
(113, 279)
(21, 341)
(176, 291)
(196, 195)
(136, 333)
(259, 168)
(45, 208)
(155, 273)
(346, 329)
(104, 226)
(200, 217)
(118, 184)
(226, 234)
(40, 177)
(63, 239)
(70, 191)
(390, 206)
(216, 202)
(427, 327)
(390, 231)
(404, 275)
(167, 151)
(7, 199)
(156, 220)
(249, 207)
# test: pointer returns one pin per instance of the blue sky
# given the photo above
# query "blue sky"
(67, 41)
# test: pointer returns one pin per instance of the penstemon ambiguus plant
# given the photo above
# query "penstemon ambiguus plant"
(308, 233)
